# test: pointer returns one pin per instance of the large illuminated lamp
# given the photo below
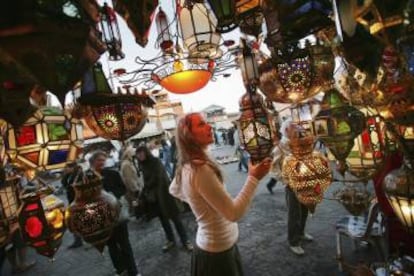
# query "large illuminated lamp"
(111, 34)
(112, 116)
(399, 190)
(9, 205)
(42, 223)
(337, 124)
(295, 74)
(198, 27)
(181, 76)
(225, 11)
(47, 141)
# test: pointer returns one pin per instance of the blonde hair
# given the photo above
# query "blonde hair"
(188, 150)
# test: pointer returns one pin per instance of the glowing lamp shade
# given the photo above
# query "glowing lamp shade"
(42, 222)
(399, 190)
(47, 141)
(183, 76)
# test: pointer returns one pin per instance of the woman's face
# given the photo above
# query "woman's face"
(141, 155)
(201, 130)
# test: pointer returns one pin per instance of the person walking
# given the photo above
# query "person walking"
(132, 179)
(166, 157)
(199, 182)
(70, 172)
(241, 154)
(119, 245)
(158, 200)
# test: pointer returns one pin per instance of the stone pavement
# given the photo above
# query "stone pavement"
(262, 241)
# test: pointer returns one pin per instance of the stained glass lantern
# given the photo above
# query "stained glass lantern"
(256, 128)
(111, 34)
(112, 116)
(42, 223)
(47, 141)
(138, 16)
(306, 172)
(399, 190)
(198, 26)
(248, 65)
(165, 39)
(94, 212)
(225, 12)
(337, 124)
(182, 76)
(295, 74)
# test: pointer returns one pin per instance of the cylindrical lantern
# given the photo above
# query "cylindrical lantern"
(256, 129)
(198, 27)
(112, 116)
(42, 222)
(48, 140)
(111, 35)
(399, 190)
(248, 65)
(94, 212)
(164, 37)
(337, 124)
(225, 12)
(306, 171)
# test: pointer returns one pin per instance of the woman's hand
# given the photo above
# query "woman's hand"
(259, 170)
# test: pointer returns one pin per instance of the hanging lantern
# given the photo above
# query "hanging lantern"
(225, 12)
(94, 212)
(250, 16)
(306, 172)
(138, 15)
(354, 197)
(255, 126)
(248, 65)
(182, 76)
(294, 74)
(198, 26)
(47, 141)
(337, 124)
(9, 205)
(111, 35)
(164, 37)
(399, 190)
(302, 114)
(112, 116)
(42, 222)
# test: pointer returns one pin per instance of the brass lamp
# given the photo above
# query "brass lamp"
(198, 27)
(111, 34)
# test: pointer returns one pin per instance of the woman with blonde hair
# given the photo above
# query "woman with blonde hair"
(199, 182)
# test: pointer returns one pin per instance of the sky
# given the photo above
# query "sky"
(225, 92)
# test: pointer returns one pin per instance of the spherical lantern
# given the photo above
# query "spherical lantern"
(198, 26)
(295, 74)
(111, 34)
(337, 124)
(399, 190)
(112, 116)
(256, 129)
(42, 222)
(48, 140)
(225, 12)
(306, 172)
(94, 212)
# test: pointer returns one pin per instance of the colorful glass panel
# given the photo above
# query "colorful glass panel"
(32, 156)
(57, 132)
(26, 136)
(34, 227)
(57, 156)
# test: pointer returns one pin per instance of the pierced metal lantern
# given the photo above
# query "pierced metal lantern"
(337, 124)
(47, 141)
(198, 26)
(399, 190)
(306, 172)
(294, 74)
(225, 12)
(112, 116)
(165, 39)
(256, 129)
(111, 34)
(42, 223)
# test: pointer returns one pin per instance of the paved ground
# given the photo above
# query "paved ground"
(262, 241)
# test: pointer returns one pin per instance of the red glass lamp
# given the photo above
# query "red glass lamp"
(42, 222)
(47, 141)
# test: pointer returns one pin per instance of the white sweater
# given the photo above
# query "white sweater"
(215, 211)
